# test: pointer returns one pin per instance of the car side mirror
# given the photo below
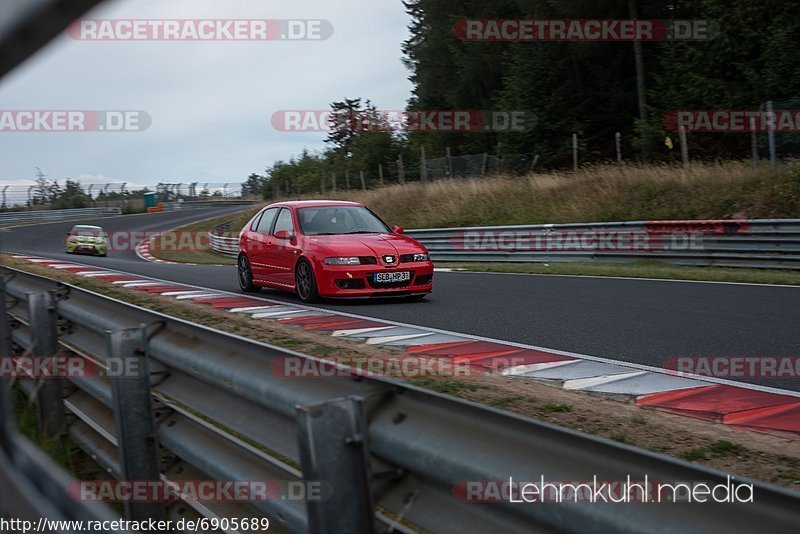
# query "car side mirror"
(398, 230)
(283, 234)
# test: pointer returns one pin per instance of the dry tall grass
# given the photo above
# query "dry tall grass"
(596, 193)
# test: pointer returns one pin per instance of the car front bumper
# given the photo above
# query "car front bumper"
(359, 280)
(87, 248)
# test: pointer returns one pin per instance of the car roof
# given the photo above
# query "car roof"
(314, 203)
(88, 226)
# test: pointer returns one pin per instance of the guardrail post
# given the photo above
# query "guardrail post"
(44, 335)
(133, 416)
(7, 426)
(333, 449)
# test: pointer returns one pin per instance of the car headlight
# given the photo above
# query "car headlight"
(421, 257)
(344, 260)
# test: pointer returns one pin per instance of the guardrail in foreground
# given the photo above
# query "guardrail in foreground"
(46, 215)
(32, 485)
(391, 452)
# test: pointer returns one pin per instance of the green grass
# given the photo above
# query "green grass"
(502, 402)
(642, 269)
(595, 193)
(620, 438)
(450, 387)
(718, 449)
(556, 408)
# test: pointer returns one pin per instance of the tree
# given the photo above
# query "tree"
(253, 185)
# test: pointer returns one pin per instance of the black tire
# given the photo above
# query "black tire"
(305, 284)
(245, 275)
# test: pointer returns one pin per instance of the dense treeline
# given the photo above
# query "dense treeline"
(588, 88)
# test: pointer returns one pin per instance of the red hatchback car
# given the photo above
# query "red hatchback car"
(330, 249)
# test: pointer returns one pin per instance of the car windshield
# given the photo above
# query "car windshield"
(338, 220)
(87, 232)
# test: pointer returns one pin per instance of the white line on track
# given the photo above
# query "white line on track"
(621, 278)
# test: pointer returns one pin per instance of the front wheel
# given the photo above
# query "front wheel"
(246, 276)
(304, 282)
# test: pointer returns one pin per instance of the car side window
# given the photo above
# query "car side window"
(284, 222)
(266, 221)
(256, 220)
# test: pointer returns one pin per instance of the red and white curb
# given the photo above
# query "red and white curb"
(732, 403)
(143, 251)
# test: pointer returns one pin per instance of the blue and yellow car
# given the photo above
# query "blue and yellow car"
(86, 239)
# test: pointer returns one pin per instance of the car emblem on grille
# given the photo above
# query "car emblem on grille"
(388, 259)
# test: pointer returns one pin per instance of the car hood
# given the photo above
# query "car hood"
(366, 244)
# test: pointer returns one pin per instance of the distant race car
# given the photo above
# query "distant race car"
(330, 249)
(85, 239)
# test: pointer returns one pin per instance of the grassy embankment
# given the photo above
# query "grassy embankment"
(596, 193)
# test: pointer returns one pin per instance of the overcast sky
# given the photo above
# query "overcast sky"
(210, 102)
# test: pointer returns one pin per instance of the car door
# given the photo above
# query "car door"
(284, 251)
(259, 244)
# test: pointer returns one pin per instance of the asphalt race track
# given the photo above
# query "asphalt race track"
(639, 321)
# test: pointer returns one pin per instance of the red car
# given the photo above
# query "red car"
(330, 249)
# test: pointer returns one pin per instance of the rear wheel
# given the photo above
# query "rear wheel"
(304, 282)
(246, 276)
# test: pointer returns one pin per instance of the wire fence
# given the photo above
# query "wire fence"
(70, 195)
(402, 171)
(784, 144)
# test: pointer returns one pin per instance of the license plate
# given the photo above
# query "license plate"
(388, 278)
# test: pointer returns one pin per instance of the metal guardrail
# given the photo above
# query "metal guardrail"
(221, 243)
(763, 243)
(196, 204)
(52, 215)
(392, 452)
(32, 486)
